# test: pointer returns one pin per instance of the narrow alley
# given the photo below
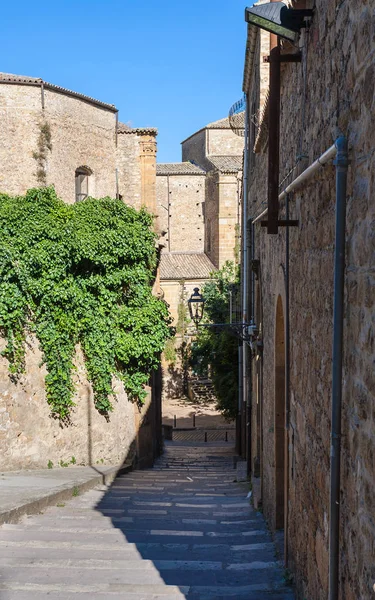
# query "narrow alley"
(184, 529)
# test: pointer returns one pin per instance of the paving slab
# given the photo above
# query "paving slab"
(183, 530)
(29, 492)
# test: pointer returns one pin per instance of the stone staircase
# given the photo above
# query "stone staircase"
(183, 530)
(201, 390)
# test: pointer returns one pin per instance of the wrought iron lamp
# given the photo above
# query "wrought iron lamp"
(277, 18)
(196, 306)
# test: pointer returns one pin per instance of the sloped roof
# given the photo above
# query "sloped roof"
(182, 168)
(9, 78)
(227, 164)
(123, 128)
(220, 124)
(185, 265)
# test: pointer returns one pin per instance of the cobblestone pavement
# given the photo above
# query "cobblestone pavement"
(181, 530)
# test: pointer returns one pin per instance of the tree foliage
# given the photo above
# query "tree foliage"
(215, 349)
(80, 274)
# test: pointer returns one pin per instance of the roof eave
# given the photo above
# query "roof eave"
(60, 90)
(252, 36)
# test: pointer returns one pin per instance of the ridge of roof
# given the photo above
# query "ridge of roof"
(185, 265)
(220, 124)
(10, 78)
(123, 128)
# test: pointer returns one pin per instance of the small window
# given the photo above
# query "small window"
(82, 183)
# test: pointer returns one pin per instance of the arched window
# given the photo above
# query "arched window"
(82, 182)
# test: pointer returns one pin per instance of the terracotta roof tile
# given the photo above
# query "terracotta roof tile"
(227, 164)
(123, 128)
(185, 265)
(182, 168)
(220, 124)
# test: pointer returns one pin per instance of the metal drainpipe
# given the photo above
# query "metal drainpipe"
(341, 164)
(287, 380)
(244, 270)
(248, 365)
(240, 400)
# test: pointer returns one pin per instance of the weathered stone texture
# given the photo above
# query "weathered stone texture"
(30, 437)
(340, 74)
(222, 216)
(194, 149)
(183, 197)
(129, 173)
(222, 142)
(82, 134)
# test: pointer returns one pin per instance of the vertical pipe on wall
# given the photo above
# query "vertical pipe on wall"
(287, 380)
(244, 273)
(42, 94)
(341, 164)
(240, 400)
(249, 373)
(117, 188)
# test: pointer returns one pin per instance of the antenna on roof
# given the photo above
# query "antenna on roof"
(237, 117)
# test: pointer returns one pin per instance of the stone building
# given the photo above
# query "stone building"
(329, 93)
(198, 203)
(54, 136)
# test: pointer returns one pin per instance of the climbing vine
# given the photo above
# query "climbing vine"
(40, 155)
(80, 274)
(215, 349)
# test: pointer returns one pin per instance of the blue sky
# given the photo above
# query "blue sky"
(172, 65)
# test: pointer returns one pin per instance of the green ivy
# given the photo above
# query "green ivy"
(215, 349)
(80, 274)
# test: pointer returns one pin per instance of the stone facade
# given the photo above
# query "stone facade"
(199, 211)
(30, 438)
(84, 132)
(181, 205)
(329, 93)
(121, 162)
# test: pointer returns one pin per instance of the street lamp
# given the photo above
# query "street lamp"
(277, 18)
(196, 306)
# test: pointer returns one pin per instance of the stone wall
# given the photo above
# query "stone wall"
(194, 149)
(212, 242)
(338, 64)
(229, 216)
(129, 172)
(222, 216)
(184, 197)
(82, 134)
(30, 437)
(223, 142)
